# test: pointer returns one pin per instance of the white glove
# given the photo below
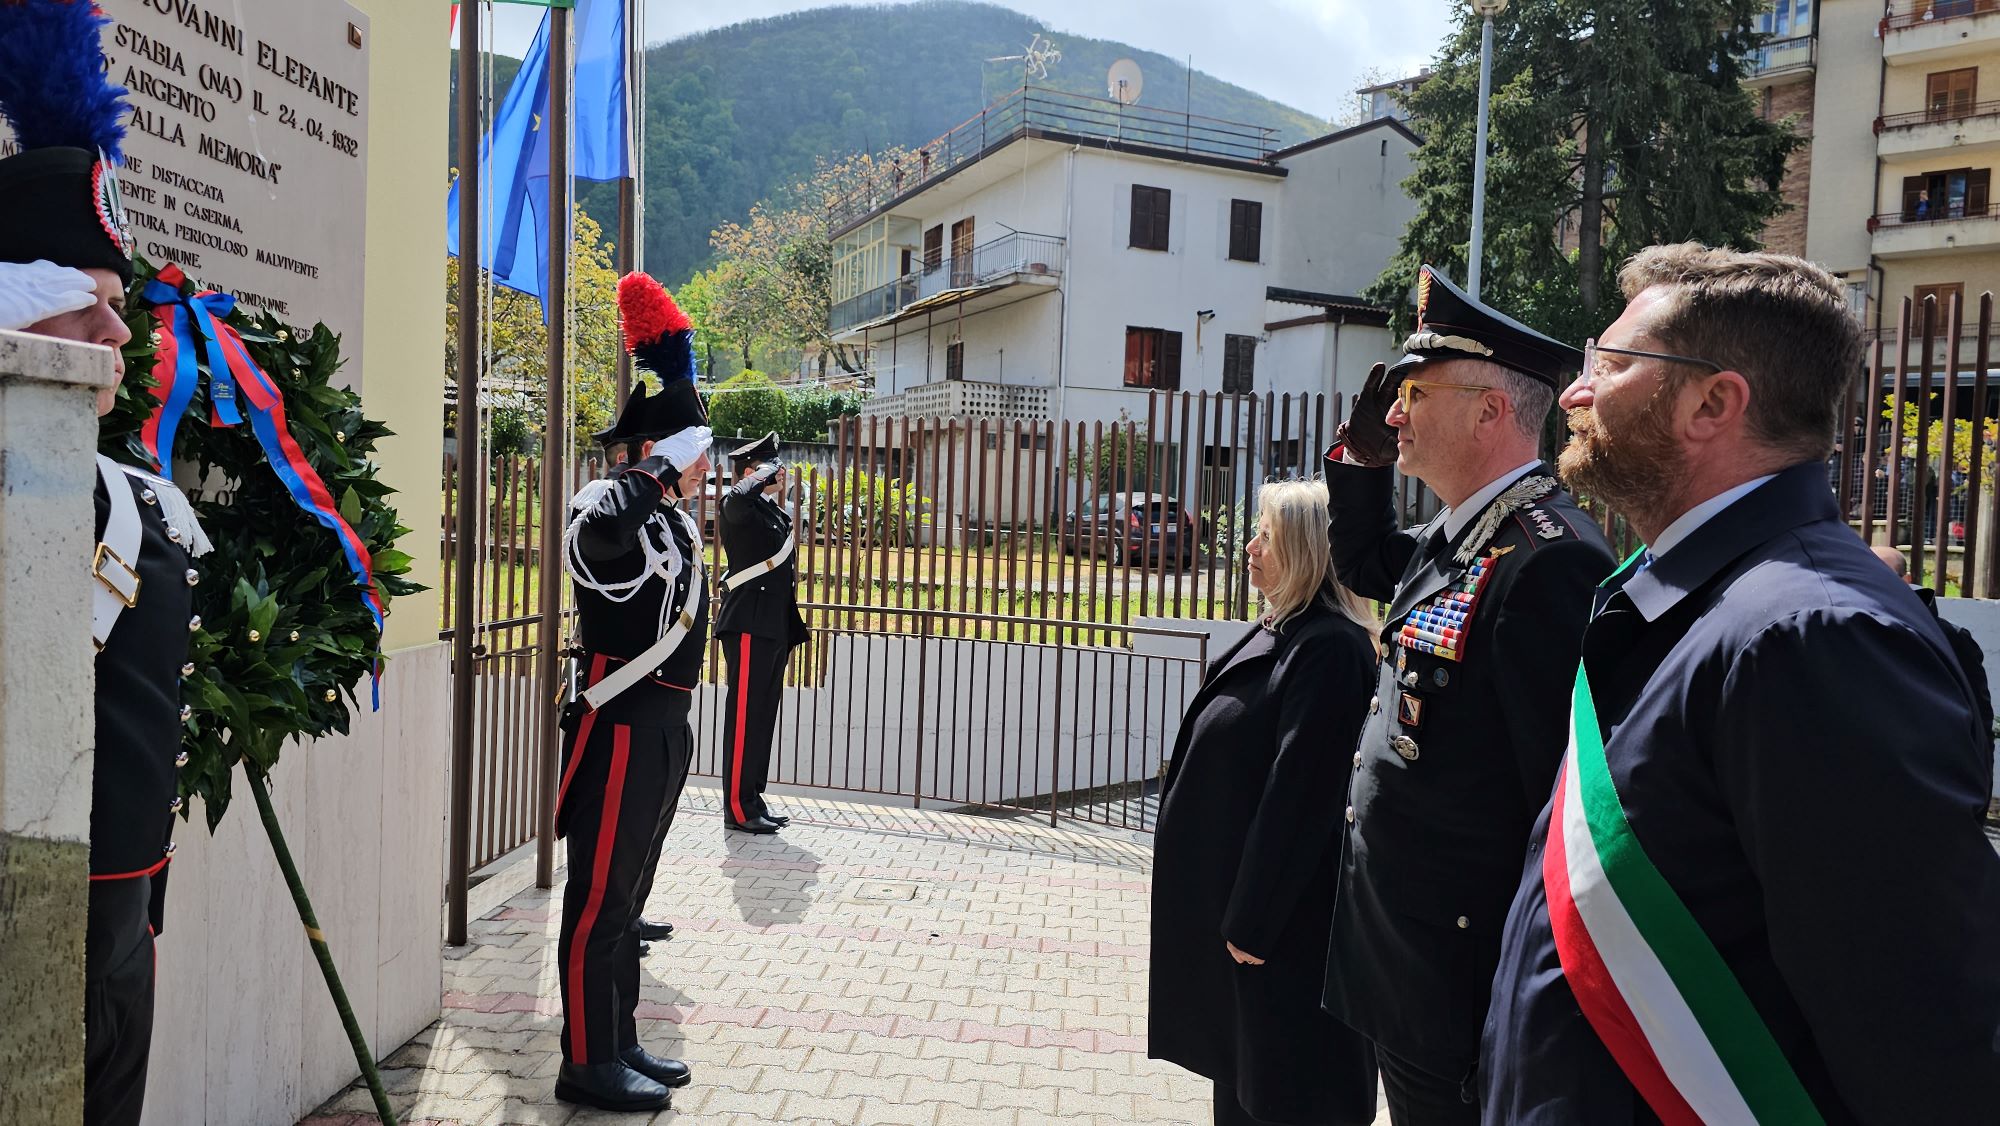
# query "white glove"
(32, 292)
(683, 449)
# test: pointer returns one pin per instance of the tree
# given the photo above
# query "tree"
(747, 404)
(1615, 124)
(518, 342)
(781, 259)
(1354, 108)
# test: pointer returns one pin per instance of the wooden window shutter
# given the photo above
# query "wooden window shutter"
(1142, 217)
(1246, 230)
(1170, 362)
(933, 248)
(1978, 187)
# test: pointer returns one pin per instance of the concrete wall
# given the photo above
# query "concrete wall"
(1344, 212)
(1978, 271)
(245, 1032)
(48, 433)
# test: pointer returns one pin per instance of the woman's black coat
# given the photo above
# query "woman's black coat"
(1247, 853)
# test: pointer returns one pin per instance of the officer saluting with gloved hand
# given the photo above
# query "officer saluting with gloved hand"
(634, 554)
(758, 627)
(1486, 613)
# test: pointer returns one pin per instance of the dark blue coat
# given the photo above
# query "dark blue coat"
(1447, 782)
(1796, 750)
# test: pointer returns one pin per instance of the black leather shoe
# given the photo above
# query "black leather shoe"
(754, 825)
(652, 931)
(777, 819)
(645, 949)
(610, 1086)
(670, 1073)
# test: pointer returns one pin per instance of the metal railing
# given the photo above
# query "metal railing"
(1034, 109)
(1782, 56)
(1939, 213)
(1010, 255)
(1937, 115)
(1917, 13)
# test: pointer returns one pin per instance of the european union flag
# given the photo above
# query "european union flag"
(514, 156)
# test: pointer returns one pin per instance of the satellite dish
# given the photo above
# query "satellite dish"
(1125, 82)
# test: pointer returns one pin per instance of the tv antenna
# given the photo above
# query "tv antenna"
(1036, 58)
(1125, 82)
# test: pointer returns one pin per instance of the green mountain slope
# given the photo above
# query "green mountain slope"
(736, 113)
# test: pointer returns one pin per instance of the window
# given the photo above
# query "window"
(1944, 292)
(1239, 358)
(954, 360)
(1153, 359)
(1951, 93)
(909, 263)
(1152, 208)
(961, 252)
(1951, 194)
(1246, 230)
(933, 248)
(1786, 19)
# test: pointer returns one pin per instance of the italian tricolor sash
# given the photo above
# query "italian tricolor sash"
(1648, 979)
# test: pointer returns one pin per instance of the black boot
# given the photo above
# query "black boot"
(651, 931)
(758, 824)
(610, 1086)
(671, 1073)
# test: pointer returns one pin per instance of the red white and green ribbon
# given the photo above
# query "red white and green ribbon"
(1646, 976)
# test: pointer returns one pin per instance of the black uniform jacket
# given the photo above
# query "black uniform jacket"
(1456, 759)
(753, 527)
(1246, 854)
(608, 541)
(135, 789)
(1795, 748)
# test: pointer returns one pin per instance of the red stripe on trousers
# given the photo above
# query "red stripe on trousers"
(1591, 982)
(742, 725)
(582, 733)
(600, 874)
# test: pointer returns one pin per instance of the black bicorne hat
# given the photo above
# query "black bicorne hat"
(1451, 325)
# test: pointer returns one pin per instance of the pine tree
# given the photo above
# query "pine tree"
(1615, 124)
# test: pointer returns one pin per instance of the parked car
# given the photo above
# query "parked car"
(1139, 527)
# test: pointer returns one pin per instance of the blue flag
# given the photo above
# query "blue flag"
(514, 157)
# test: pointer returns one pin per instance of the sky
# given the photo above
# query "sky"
(1308, 54)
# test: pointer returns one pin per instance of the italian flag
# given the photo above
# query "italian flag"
(1652, 985)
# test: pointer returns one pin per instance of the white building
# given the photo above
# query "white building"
(1062, 258)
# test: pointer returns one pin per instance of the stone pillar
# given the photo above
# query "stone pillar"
(48, 432)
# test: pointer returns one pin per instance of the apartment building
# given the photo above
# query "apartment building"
(1061, 257)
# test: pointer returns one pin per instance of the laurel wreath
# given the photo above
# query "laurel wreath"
(285, 636)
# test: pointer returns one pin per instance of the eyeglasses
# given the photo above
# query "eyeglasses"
(1591, 349)
(1406, 397)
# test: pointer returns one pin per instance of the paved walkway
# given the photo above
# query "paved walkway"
(870, 966)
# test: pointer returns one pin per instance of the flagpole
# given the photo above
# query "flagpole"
(628, 187)
(467, 432)
(555, 428)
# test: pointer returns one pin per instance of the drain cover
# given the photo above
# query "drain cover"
(885, 891)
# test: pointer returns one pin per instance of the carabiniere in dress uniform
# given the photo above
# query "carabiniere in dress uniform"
(1486, 610)
(758, 627)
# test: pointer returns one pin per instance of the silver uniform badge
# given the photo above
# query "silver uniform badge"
(1405, 746)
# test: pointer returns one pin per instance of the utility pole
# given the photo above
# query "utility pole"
(467, 523)
(1486, 9)
(555, 429)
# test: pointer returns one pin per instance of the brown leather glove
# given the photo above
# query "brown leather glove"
(1368, 438)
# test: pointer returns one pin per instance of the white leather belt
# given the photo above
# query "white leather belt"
(757, 571)
(115, 565)
(641, 666)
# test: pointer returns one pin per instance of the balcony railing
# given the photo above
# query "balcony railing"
(1781, 56)
(1017, 253)
(1939, 115)
(1916, 13)
(961, 399)
(1942, 213)
(1033, 108)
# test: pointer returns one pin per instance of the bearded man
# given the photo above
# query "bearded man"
(1760, 892)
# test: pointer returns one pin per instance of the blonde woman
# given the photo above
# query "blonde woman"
(1246, 853)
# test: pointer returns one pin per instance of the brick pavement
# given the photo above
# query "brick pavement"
(870, 966)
